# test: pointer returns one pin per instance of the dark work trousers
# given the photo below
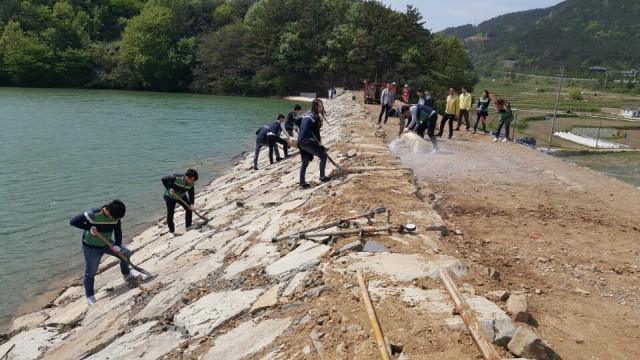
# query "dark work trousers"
(273, 141)
(430, 125)
(384, 110)
(451, 118)
(507, 124)
(259, 146)
(308, 148)
(481, 116)
(171, 207)
(465, 114)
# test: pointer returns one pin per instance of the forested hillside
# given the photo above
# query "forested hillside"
(264, 47)
(575, 34)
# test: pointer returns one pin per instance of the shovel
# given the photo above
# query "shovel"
(369, 214)
(108, 243)
(200, 216)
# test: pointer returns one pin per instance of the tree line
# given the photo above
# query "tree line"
(235, 47)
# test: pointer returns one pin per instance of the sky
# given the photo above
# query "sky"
(441, 14)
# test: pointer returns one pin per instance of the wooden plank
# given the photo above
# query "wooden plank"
(377, 331)
(468, 316)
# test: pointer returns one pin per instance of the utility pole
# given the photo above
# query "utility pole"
(555, 111)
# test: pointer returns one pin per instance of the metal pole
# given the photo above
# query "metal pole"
(553, 121)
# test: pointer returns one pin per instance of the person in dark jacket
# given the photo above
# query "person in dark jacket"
(106, 222)
(293, 121)
(310, 143)
(177, 187)
(261, 140)
(273, 139)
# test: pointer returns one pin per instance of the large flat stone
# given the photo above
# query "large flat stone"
(213, 310)
(29, 321)
(303, 257)
(268, 299)
(495, 322)
(295, 284)
(143, 342)
(527, 345)
(257, 256)
(247, 339)
(405, 267)
(30, 344)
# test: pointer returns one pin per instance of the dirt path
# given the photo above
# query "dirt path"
(566, 235)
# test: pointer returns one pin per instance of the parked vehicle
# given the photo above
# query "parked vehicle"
(372, 92)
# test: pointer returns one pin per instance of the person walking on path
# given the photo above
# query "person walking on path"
(105, 222)
(505, 118)
(293, 121)
(465, 106)
(450, 112)
(310, 142)
(387, 98)
(482, 111)
(177, 187)
(273, 139)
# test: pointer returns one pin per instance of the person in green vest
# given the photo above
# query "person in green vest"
(106, 222)
(180, 186)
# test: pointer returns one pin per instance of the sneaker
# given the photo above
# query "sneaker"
(91, 300)
(435, 151)
(171, 235)
(255, 168)
(505, 140)
(304, 185)
(131, 277)
(325, 179)
(193, 227)
(495, 140)
(279, 159)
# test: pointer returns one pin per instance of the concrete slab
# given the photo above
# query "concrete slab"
(214, 242)
(404, 267)
(29, 321)
(70, 314)
(303, 257)
(267, 300)
(246, 339)
(213, 310)
(295, 284)
(495, 322)
(141, 342)
(30, 344)
(258, 255)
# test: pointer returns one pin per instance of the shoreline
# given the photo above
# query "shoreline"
(228, 291)
(61, 282)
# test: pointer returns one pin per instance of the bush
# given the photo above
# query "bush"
(575, 94)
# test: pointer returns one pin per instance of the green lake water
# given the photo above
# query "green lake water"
(65, 151)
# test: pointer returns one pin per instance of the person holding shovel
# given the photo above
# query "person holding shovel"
(177, 187)
(273, 139)
(99, 225)
(309, 142)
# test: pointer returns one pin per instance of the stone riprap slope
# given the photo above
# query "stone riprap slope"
(227, 291)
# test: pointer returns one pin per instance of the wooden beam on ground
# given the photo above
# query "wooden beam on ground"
(377, 331)
(475, 329)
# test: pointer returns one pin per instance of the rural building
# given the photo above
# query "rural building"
(630, 73)
(510, 63)
(631, 111)
(598, 68)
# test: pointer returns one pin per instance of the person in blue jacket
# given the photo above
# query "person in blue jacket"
(310, 142)
(273, 139)
(261, 140)
(105, 221)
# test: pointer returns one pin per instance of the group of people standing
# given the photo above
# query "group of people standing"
(457, 107)
(309, 141)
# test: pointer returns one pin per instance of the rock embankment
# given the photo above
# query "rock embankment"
(227, 291)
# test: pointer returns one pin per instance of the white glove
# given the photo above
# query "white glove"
(192, 207)
(116, 249)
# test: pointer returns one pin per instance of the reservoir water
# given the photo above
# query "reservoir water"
(65, 151)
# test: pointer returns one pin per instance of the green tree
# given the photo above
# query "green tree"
(26, 59)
